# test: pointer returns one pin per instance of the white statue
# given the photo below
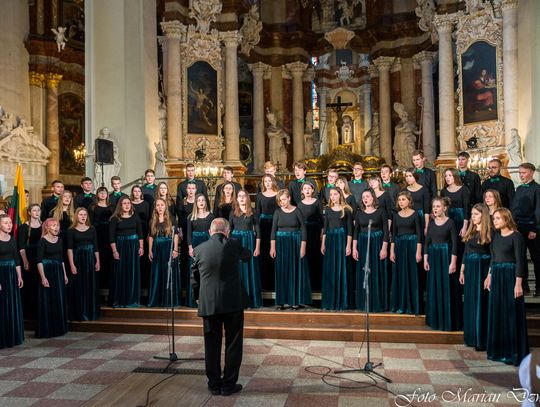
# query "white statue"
(373, 137)
(276, 149)
(7, 123)
(250, 30)
(346, 12)
(347, 130)
(344, 72)
(327, 7)
(515, 153)
(405, 137)
(159, 168)
(109, 170)
(60, 37)
(323, 61)
(162, 117)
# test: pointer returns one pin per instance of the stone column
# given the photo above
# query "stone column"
(232, 124)
(366, 113)
(447, 118)
(37, 83)
(510, 67)
(385, 109)
(175, 142)
(425, 60)
(323, 93)
(297, 71)
(53, 136)
(258, 70)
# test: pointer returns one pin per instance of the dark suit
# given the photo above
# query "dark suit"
(84, 200)
(222, 299)
(181, 192)
(427, 178)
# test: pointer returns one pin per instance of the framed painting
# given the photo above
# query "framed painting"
(71, 129)
(479, 83)
(202, 106)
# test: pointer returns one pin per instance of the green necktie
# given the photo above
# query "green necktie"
(301, 180)
(117, 194)
(88, 195)
(525, 185)
(462, 173)
(357, 181)
(329, 185)
(386, 184)
(419, 170)
(494, 179)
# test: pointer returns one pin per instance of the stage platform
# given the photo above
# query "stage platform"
(304, 324)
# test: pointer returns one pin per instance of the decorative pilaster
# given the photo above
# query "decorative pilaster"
(366, 113)
(232, 124)
(258, 70)
(425, 60)
(510, 67)
(37, 100)
(297, 70)
(385, 109)
(53, 137)
(174, 32)
(447, 119)
(323, 94)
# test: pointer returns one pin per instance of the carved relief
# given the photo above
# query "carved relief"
(250, 30)
(205, 12)
(480, 26)
(426, 12)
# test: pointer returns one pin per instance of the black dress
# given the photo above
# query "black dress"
(183, 209)
(313, 217)
(83, 296)
(27, 240)
(100, 216)
(264, 209)
(143, 211)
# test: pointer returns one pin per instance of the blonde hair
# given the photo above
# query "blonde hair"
(58, 211)
(75, 221)
(195, 211)
(506, 215)
(485, 226)
(346, 189)
(154, 221)
(342, 202)
(282, 192)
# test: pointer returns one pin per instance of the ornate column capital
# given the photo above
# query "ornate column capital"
(424, 56)
(309, 75)
(384, 63)
(258, 68)
(296, 69)
(396, 66)
(52, 80)
(173, 29)
(373, 72)
(444, 23)
(36, 79)
(509, 4)
(230, 38)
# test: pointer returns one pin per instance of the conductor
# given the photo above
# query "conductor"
(221, 296)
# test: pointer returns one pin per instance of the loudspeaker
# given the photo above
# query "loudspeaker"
(104, 151)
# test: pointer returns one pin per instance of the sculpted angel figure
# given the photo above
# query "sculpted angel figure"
(203, 103)
(60, 37)
(276, 149)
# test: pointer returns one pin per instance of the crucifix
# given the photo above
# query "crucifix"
(339, 108)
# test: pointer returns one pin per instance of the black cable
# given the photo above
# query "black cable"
(146, 404)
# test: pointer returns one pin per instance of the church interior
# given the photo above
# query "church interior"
(238, 83)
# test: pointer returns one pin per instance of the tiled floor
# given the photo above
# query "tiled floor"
(70, 370)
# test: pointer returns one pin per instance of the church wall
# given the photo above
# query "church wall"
(122, 80)
(287, 117)
(14, 82)
(528, 74)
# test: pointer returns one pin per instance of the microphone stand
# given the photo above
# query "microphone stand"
(369, 366)
(173, 357)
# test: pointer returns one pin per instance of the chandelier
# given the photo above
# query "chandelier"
(79, 154)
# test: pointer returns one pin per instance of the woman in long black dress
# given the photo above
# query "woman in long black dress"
(197, 232)
(312, 211)
(443, 302)
(474, 271)
(162, 246)
(288, 247)
(371, 212)
(384, 199)
(420, 196)
(142, 208)
(126, 237)
(336, 248)
(11, 313)
(507, 339)
(184, 207)
(27, 241)
(265, 207)
(83, 256)
(405, 254)
(228, 196)
(100, 214)
(64, 213)
(52, 304)
(245, 228)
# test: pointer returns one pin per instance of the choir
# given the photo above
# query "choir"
(466, 242)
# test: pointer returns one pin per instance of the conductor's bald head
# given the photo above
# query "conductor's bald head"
(219, 225)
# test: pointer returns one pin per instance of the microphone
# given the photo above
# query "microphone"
(370, 222)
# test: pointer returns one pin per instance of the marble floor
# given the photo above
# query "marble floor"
(71, 370)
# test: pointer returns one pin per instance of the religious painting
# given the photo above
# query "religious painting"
(73, 19)
(479, 83)
(71, 129)
(202, 101)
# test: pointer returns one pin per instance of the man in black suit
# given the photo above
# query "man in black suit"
(86, 198)
(426, 176)
(221, 296)
(48, 204)
(505, 186)
(190, 179)
(469, 178)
